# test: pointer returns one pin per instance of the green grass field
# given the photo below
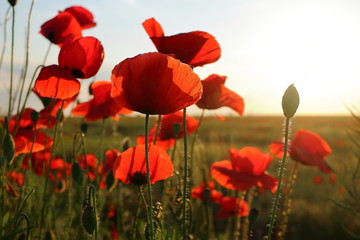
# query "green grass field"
(313, 214)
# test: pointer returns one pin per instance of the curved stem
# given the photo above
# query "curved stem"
(185, 181)
(12, 61)
(92, 197)
(150, 212)
(58, 117)
(280, 177)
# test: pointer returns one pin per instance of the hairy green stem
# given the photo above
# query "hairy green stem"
(58, 117)
(280, 177)
(133, 225)
(185, 181)
(150, 212)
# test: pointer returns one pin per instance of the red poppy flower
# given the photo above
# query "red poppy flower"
(110, 156)
(166, 137)
(24, 141)
(89, 162)
(216, 95)
(56, 82)
(200, 192)
(318, 179)
(154, 83)
(60, 27)
(307, 148)
(232, 206)
(246, 169)
(82, 15)
(15, 177)
(101, 106)
(194, 48)
(51, 105)
(83, 56)
(130, 166)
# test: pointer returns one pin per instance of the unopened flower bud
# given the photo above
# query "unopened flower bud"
(290, 101)
(12, 2)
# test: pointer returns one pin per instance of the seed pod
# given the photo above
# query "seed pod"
(290, 101)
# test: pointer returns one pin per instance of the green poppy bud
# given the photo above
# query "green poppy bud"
(290, 101)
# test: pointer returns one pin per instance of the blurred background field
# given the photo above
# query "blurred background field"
(314, 214)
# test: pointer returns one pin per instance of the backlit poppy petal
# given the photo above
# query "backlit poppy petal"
(60, 27)
(82, 15)
(101, 106)
(194, 48)
(277, 148)
(216, 95)
(130, 166)
(165, 144)
(310, 149)
(83, 57)
(155, 83)
(227, 177)
(153, 28)
(249, 160)
(56, 82)
(24, 141)
(268, 182)
(209, 190)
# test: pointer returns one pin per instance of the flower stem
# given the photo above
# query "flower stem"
(150, 212)
(5, 31)
(26, 56)
(58, 117)
(133, 226)
(47, 54)
(157, 129)
(280, 177)
(185, 181)
(12, 61)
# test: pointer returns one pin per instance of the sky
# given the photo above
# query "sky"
(266, 46)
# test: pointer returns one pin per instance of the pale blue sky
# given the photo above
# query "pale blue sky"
(266, 45)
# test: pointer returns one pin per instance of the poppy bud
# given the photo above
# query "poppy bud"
(110, 180)
(84, 128)
(34, 116)
(290, 101)
(77, 173)
(253, 216)
(12, 2)
(176, 129)
(8, 146)
(125, 144)
(88, 219)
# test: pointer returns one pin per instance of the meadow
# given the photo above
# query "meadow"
(130, 163)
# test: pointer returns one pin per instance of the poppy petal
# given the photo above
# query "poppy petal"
(24, 141)
(227, 177)
(153, 28)
(56, 82)
(82, 15)
(132, 162)
(83, 57)
(155, 83)
(60, 27)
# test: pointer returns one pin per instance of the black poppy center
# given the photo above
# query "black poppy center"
(77, 73)
(139, 178)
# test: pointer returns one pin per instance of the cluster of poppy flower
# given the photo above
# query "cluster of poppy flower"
(160, 82)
